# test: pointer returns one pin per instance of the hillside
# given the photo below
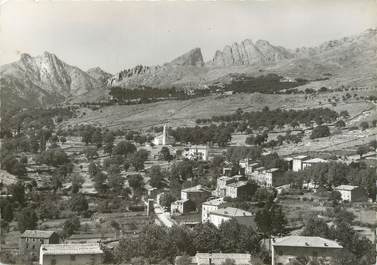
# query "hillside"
(45, 79)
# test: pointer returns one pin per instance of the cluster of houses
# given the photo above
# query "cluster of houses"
(47, 248)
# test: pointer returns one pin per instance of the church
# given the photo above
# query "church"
(164, 138)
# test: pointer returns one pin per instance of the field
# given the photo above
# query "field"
(184, 113)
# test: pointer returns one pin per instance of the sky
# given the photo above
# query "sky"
(116, 35)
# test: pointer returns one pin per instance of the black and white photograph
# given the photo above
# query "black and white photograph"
(188, 132)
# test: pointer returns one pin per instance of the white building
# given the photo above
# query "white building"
(297, 162)
(219, 258)
(286, 248)
(196, 152)
(210, 206)
(268, 177)
(248, 166)
(164, 138)
(222, 215)
(70, 254)
(352, 193)
(310, 162)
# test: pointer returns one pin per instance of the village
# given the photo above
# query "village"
(110, 199)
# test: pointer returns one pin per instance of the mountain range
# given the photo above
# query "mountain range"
(45, 79)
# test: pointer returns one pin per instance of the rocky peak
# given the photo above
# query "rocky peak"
(192, 58)
(248, 53)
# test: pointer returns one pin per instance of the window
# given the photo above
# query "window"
(315, 253)
(73, 257)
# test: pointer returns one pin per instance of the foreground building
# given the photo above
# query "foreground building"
(287, 248)
(219, 258)
(31, 241)
(71, 254)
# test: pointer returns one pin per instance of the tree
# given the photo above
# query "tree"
(71, 226)
(340, 124)
(116, 183)
(335, 197)
(320, 131)
(206, 238)
(18, 192)
(124, 148)
(271, 219)
(361, 150)
(136, 182)
(156, 177)
(91, 153)
(97, 138)
(139, 158)
(99, 182)
(316, 227)
(6, 210)
(364, 125)
(27, 219)
(93, 169)
(78, 203)
(77, 182)
(165, 154)
(166, 199)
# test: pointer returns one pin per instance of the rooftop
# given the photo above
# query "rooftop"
(237, 184)
(272, 169)
(219, 258)
(316, 160)
(37, 233)
(70, 249)
(231, 212)
(197, 188)
(346, 187)
(300, 157)
(306, 241)
(214, 202)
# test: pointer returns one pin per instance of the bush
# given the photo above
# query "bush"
(320, 131)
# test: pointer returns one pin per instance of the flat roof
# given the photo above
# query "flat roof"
(306, 241)
(300, 157)
(231, 212)
(37, 233)
(70, 249)
(237, 184)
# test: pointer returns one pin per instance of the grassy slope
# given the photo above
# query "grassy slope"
(184, 113)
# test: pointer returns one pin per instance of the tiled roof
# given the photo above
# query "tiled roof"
(37, 233)
(231, 212)
(70, 249)
(306, 241)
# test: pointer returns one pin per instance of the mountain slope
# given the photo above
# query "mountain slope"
(333, 58)
(44, 79)
(185, 67)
